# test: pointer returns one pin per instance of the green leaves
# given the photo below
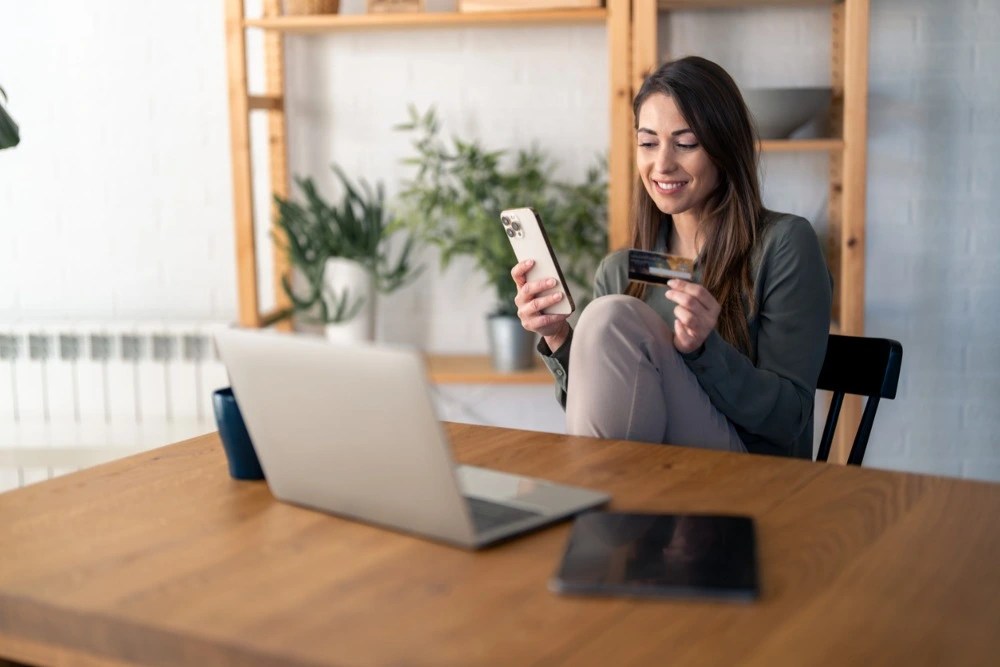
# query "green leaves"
(9, 134)
(455, 198)
(357, 228)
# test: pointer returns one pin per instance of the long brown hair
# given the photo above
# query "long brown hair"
(713, 107)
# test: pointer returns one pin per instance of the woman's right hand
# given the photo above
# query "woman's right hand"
(553, 328)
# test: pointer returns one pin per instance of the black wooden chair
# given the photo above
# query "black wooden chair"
(863, 366)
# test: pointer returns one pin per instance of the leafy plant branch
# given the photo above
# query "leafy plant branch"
(357, 228)
(455, 197)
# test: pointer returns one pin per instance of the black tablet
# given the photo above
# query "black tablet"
(660, 555)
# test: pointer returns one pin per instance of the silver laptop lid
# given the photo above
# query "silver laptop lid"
(348, 429)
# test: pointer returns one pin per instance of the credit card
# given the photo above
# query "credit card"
(658, 268)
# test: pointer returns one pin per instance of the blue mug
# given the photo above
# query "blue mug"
(243, 462)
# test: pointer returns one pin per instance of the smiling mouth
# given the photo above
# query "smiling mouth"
(669, 186)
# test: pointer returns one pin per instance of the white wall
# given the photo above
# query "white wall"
(934, 233)
(117, 204)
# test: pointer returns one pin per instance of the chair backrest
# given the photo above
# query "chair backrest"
(863, 366)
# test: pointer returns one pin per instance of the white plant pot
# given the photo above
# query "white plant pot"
(341, 274)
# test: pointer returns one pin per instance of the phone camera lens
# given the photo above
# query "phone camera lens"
(510, 232)
(505, 220)
(516, 226)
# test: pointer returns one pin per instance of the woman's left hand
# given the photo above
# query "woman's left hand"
(696, 314)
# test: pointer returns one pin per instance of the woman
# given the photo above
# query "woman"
(727, 361)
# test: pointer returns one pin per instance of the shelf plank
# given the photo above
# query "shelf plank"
(336, 22)
(476, 369)
(266, 102)
(737, 4)
(800, 145)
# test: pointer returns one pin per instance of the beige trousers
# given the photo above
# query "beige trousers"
(626, 381)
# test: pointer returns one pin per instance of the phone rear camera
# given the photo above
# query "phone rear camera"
(516, 226)
(505, 220)
(510, 232)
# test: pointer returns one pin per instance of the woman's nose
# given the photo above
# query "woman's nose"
(665, 161)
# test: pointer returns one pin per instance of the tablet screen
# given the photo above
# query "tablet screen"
(660, 555)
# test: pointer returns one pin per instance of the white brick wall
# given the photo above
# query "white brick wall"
(117, 204)
(933, 235)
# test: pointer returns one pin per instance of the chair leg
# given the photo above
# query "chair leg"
(864, 430)
(831, 425)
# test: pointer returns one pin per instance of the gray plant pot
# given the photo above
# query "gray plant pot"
(511, 347)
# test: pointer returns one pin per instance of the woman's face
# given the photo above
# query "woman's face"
(676, 171)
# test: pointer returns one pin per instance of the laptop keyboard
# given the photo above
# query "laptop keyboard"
(487, 515)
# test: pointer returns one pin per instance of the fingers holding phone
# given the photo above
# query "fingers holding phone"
(531, 302)
(523, 228)
(543, 299)
(520, 272)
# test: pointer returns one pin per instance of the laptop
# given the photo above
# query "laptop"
(351, 430)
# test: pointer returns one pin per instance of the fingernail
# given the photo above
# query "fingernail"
(529, 262)
(550, 282)
(672, 282)
(558, 296)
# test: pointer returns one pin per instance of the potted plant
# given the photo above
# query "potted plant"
(340, 254)
(9, 135)
(454, 202)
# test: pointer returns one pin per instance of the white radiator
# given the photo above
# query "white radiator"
(76, 394)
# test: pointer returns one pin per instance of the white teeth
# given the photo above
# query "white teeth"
(668, 186)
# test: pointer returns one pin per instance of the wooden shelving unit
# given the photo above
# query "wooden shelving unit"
(616, 17)
(632, 51)
(847, 150)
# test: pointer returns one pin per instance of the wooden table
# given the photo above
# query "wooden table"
(162, 559)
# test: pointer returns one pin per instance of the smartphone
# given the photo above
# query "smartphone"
(658, 268)
(527, 236)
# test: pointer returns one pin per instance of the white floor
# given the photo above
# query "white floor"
(35, 451)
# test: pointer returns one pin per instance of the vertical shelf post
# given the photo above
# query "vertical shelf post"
(239, 131)
(644, 41)
(835, 197)
(644, 61)
(850, 21)
(274, 58)
(620, 152)
(855, 176)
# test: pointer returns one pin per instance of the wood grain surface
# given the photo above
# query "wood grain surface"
(162, 559)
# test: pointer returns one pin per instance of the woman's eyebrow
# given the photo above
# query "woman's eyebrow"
(675, 133)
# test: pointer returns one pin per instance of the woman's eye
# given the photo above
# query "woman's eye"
(646, 144)
(687, 146)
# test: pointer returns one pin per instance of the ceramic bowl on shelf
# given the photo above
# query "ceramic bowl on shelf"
(781, 111)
